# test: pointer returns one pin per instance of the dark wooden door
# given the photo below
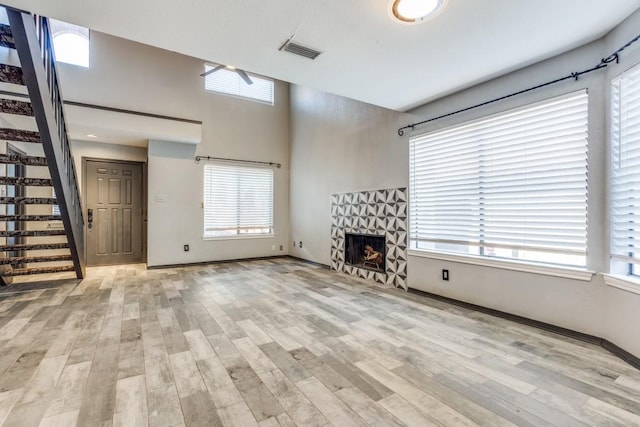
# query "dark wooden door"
(113, 212)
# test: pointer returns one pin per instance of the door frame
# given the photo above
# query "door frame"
(143, 194)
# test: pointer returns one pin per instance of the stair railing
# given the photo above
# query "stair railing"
(34, 43)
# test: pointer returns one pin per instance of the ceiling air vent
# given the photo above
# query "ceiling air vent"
(297, 49)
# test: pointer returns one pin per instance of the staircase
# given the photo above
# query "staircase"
(41, 224)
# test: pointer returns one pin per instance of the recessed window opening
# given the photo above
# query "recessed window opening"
(511, 186)
(229, 82)
(625, 173)
(238, 200)
(70, 43)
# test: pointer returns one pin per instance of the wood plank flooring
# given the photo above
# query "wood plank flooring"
(279, 342)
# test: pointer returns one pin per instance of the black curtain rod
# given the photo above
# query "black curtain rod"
(198, 158)
(604, 62)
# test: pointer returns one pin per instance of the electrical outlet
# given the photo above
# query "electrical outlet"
(301, 243)
(186, 248)
(273, 247)
(294, 243)
(445, 275)
(281, 247)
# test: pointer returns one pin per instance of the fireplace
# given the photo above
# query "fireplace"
(366, 251)
(377, 214)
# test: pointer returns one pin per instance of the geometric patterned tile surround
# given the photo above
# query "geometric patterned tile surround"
(381, 212)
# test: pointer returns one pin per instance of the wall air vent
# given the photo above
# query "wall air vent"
(297, 49)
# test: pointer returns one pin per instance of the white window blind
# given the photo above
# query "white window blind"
(625, 172)
(238, 200)
(229, 82)
(512, 185)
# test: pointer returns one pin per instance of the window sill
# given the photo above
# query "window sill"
(240, 237)
(622, 282)
(564, 272)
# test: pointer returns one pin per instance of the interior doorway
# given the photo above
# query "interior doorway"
(113, 193)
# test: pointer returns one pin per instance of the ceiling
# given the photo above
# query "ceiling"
(366, 55)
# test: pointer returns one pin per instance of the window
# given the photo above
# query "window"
(512, 185)
(70, 43)
(625, 173)
(238, 200)
(229, 82)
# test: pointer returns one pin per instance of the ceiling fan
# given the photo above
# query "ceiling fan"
(240, 72)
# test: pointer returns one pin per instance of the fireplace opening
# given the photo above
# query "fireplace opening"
(365, 251)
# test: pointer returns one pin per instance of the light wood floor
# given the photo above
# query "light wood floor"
(280, 342)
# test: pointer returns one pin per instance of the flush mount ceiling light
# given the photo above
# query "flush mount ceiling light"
(415, 11)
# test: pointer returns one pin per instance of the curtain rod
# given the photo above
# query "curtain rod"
(604, 62)
(198, 158)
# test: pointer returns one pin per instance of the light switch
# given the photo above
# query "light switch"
(161, 198)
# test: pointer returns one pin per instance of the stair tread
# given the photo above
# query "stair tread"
(33, 233)
(11, 74)
(33, 247)
(13, 106)
(28, 201)
(38, 270)
(19, 135)
(6, 37)
(30, 218)
(23, 160)
(32, 259)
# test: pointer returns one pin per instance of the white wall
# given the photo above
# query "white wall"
(176, 214)
(133, 76)
(341, 145)
(338, 145)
